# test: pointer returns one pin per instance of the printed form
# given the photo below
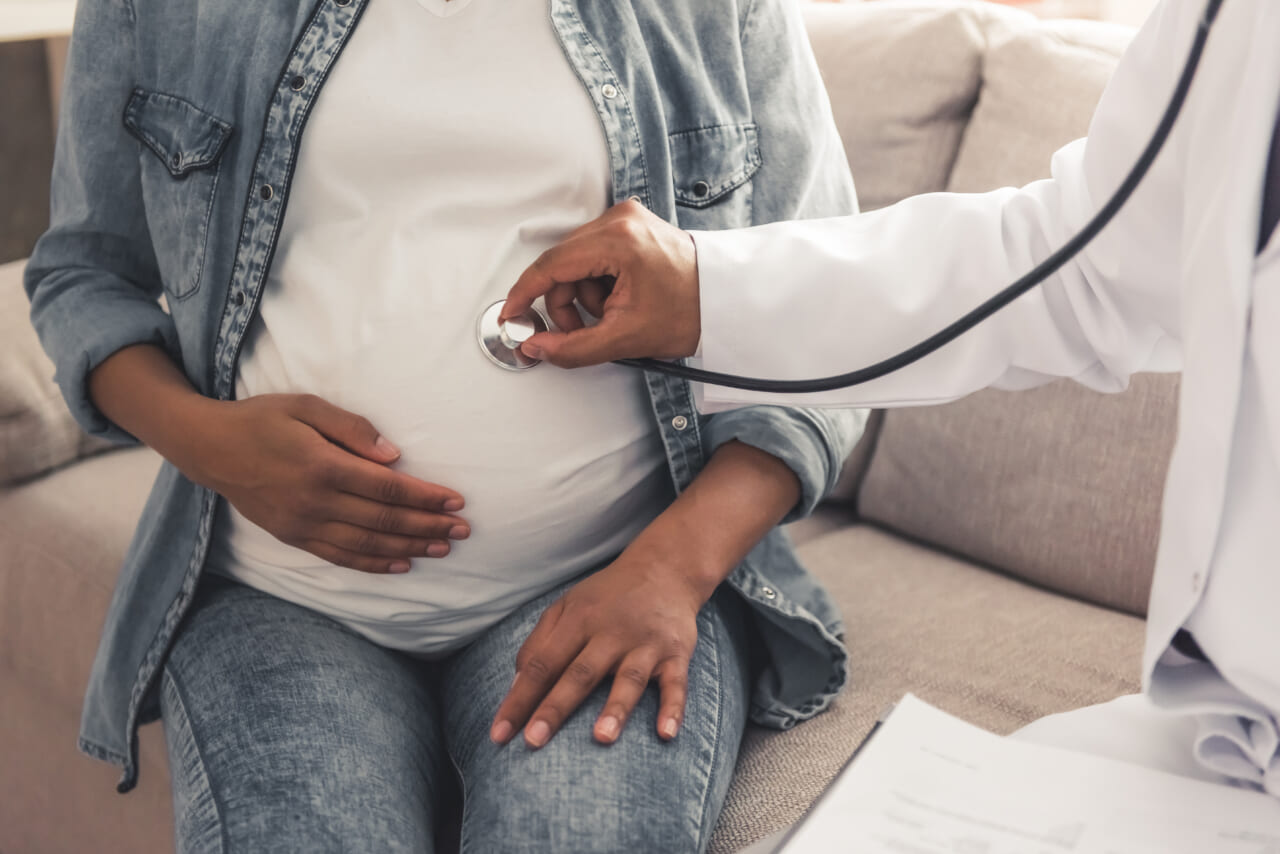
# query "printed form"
(929, 783)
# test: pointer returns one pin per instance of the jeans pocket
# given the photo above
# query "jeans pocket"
(181, 148)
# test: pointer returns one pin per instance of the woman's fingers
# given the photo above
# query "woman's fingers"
(630, 680)
(392, 519)
(352, 560)
(385, 486)
(370, 543)
(575, 683)
(673, 689)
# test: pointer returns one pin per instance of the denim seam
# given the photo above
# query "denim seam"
(167, 676)
(462, 782)
(718, 665)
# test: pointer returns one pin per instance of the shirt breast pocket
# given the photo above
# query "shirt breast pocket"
(712, 168)
(181, 147)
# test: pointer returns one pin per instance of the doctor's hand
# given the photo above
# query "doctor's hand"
(630, 268)
(317, 477)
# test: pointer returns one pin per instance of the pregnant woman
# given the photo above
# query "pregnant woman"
(376, 564)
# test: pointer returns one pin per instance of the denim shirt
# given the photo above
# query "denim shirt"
(178, 138)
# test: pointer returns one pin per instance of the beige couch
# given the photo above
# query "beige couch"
(992, 556)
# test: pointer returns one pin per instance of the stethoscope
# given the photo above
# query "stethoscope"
(501, 342)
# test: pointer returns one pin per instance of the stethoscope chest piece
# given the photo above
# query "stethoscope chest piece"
(500, 342)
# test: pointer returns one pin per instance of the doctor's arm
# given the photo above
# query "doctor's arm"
(801, 300)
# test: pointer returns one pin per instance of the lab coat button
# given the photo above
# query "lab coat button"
(679, 422)
(769, 592)
(1196, 580)
(609, 90)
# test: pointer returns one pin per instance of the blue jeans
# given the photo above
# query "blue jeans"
(288, 732)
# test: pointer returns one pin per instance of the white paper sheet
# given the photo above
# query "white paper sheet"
(929, 783)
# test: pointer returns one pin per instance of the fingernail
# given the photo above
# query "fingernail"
(437, 550)
(386, 448)
(533, 351)
(537, 734)
(458, 532)
(607, 726)
(399, 566)
(501, 732)
(453, 505)
(668, 728)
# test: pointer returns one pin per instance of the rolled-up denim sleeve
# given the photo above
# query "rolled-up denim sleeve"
(812, 443)
(804, 174)
(92, 279)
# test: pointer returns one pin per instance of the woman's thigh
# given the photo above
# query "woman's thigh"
(287, 732)
(574, 795)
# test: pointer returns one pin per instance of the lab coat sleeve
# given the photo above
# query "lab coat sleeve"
(92, 279)
(803, 175)
(813, 299)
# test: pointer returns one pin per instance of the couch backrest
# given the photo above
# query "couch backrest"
(1060, 485)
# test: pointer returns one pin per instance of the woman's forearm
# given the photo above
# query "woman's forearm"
(144, 392)
(741, 494)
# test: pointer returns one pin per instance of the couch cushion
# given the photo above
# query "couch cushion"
(990, 649)
(1040, 85)
(63, 537)
(1058, 485)
(37, 431)
(902, 78)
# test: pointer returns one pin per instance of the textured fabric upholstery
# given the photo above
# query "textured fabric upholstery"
(1058, 485)
(902, 78)
(910, 613)
(62, 538)
(1024, 113)
(37, 432)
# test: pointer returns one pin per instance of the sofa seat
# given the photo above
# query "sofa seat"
(910, 611)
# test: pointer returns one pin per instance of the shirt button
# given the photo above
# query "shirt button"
(769, 592)
(176, 160)
(609, 90)
(297, 83)
(344, 2)
(238, 298)
(636, 199)
(679, 422)
(701, 189)
(266, 192)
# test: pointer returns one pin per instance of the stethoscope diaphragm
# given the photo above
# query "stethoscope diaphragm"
(500, 342)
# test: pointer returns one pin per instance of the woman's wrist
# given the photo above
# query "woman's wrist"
(741, 495)
(145, 393)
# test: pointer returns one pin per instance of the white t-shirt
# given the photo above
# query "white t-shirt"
(451, 145)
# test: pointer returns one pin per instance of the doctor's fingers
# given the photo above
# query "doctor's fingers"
(590, 255)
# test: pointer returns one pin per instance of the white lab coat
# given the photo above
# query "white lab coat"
(1174, 283)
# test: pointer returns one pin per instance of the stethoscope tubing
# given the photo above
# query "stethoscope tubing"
(1035, 277)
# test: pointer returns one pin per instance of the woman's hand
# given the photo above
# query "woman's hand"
(637, 617)
(316, 477)
(313, 475)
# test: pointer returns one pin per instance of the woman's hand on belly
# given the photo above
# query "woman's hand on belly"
(637, 617)
(316, 477)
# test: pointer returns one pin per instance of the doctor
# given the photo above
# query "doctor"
(1186, 278)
